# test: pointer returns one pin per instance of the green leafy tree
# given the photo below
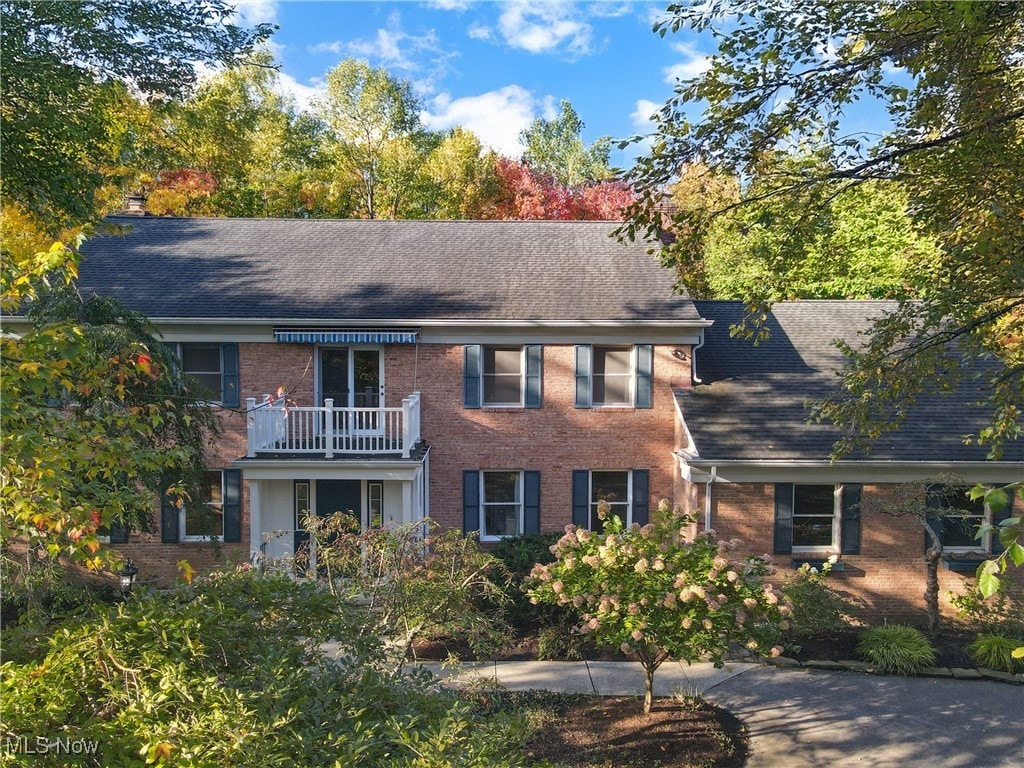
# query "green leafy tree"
(556, 148)
(366, 110)
(458, 178)
(655, 594)
(950, 76)
(98, 421)
(67, 65)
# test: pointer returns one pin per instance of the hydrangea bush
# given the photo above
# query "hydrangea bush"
(658, 594)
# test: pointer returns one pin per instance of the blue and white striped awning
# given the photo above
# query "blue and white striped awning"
(344, 336)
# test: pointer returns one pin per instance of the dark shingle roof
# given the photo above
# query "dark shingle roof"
(379, 270)
(752, 404)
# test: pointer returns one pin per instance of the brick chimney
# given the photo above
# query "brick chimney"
(134, 204)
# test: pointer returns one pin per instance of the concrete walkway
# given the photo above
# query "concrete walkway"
(803, 718)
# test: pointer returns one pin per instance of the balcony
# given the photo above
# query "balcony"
(278, 429)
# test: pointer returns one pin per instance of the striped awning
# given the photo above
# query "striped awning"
(344, 336)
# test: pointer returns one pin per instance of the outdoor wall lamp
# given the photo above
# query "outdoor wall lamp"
(127, 576)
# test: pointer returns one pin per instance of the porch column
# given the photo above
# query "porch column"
(255, 521)
(408, 513)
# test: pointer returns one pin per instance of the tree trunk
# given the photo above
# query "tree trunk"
(649, 691)
(931, 591)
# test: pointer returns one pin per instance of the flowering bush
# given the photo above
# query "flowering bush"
(657, 595)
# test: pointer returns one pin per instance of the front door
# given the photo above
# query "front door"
(344, 496)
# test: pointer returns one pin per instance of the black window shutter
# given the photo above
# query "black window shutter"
(584, 356)
(641, 496)
(644, 369)
(471, 376)
(581, 498)
(232, 505)
(118, 533)
(935, 498)
(996, 546)
(229, 375)
(783, 518)
(169, 520)
(531, 501)
(470, 501)
(534, 375)
(850, 532)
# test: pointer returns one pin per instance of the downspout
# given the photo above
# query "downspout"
(707, 498)
(693, 360)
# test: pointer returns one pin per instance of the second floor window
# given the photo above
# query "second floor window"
(618, 376)
(213, 367)
(503, 375)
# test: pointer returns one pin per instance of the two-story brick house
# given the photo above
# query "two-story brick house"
(502, 377)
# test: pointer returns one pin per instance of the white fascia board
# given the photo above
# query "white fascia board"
(852, 471)
(446, 331)
(293, 469)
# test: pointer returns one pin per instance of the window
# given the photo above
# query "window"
(625, 490)
(205, 519)
(612, 487)
(814, 517)
(957, 518)
(213, 366)
(503, 376)
(614, 375)
(375, 504)
(501, 504)
(817, 518)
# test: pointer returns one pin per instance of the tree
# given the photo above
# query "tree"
(67, 65)
(525, 194)
(98, 422)
(555, 148)
(950, 76)
(656, 595)
(365, 110)
(458, 178)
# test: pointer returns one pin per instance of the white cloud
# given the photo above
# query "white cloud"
(253, 12)
(608, 10)
(334, 46)
(694, 64)
(642, 116)
(478, 31)
(543, 27)
(303, 95)
(449, 5)
(496, 117)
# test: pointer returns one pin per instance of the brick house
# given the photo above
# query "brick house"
(502, 377)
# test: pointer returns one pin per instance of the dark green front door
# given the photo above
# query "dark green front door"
(332, 496)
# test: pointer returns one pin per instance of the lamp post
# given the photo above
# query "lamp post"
(127, 576)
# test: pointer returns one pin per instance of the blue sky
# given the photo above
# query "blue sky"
(494, 66)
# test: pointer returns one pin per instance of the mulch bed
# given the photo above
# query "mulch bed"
(841, 646)
(612, 731)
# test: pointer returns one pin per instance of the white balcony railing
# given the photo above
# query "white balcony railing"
(276, 427)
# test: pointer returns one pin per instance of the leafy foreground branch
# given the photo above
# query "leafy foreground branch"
(228, 672)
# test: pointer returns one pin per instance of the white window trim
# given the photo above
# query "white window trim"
(984, 545)
(629, 494)
(484, 536)
(522, 377)
(631, 403)
(352, 349)
(184, 535)
(837, 521)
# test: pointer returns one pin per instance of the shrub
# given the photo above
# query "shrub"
(1000, 613)
(416, 582)
(996, 652)
(218, 673)
(817, 608)
(654, 594)
(897, 649)
(552, 622)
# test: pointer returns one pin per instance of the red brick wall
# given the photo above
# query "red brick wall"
(888, 577)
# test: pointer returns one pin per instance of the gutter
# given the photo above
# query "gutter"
(707, 498)
(693, 358)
